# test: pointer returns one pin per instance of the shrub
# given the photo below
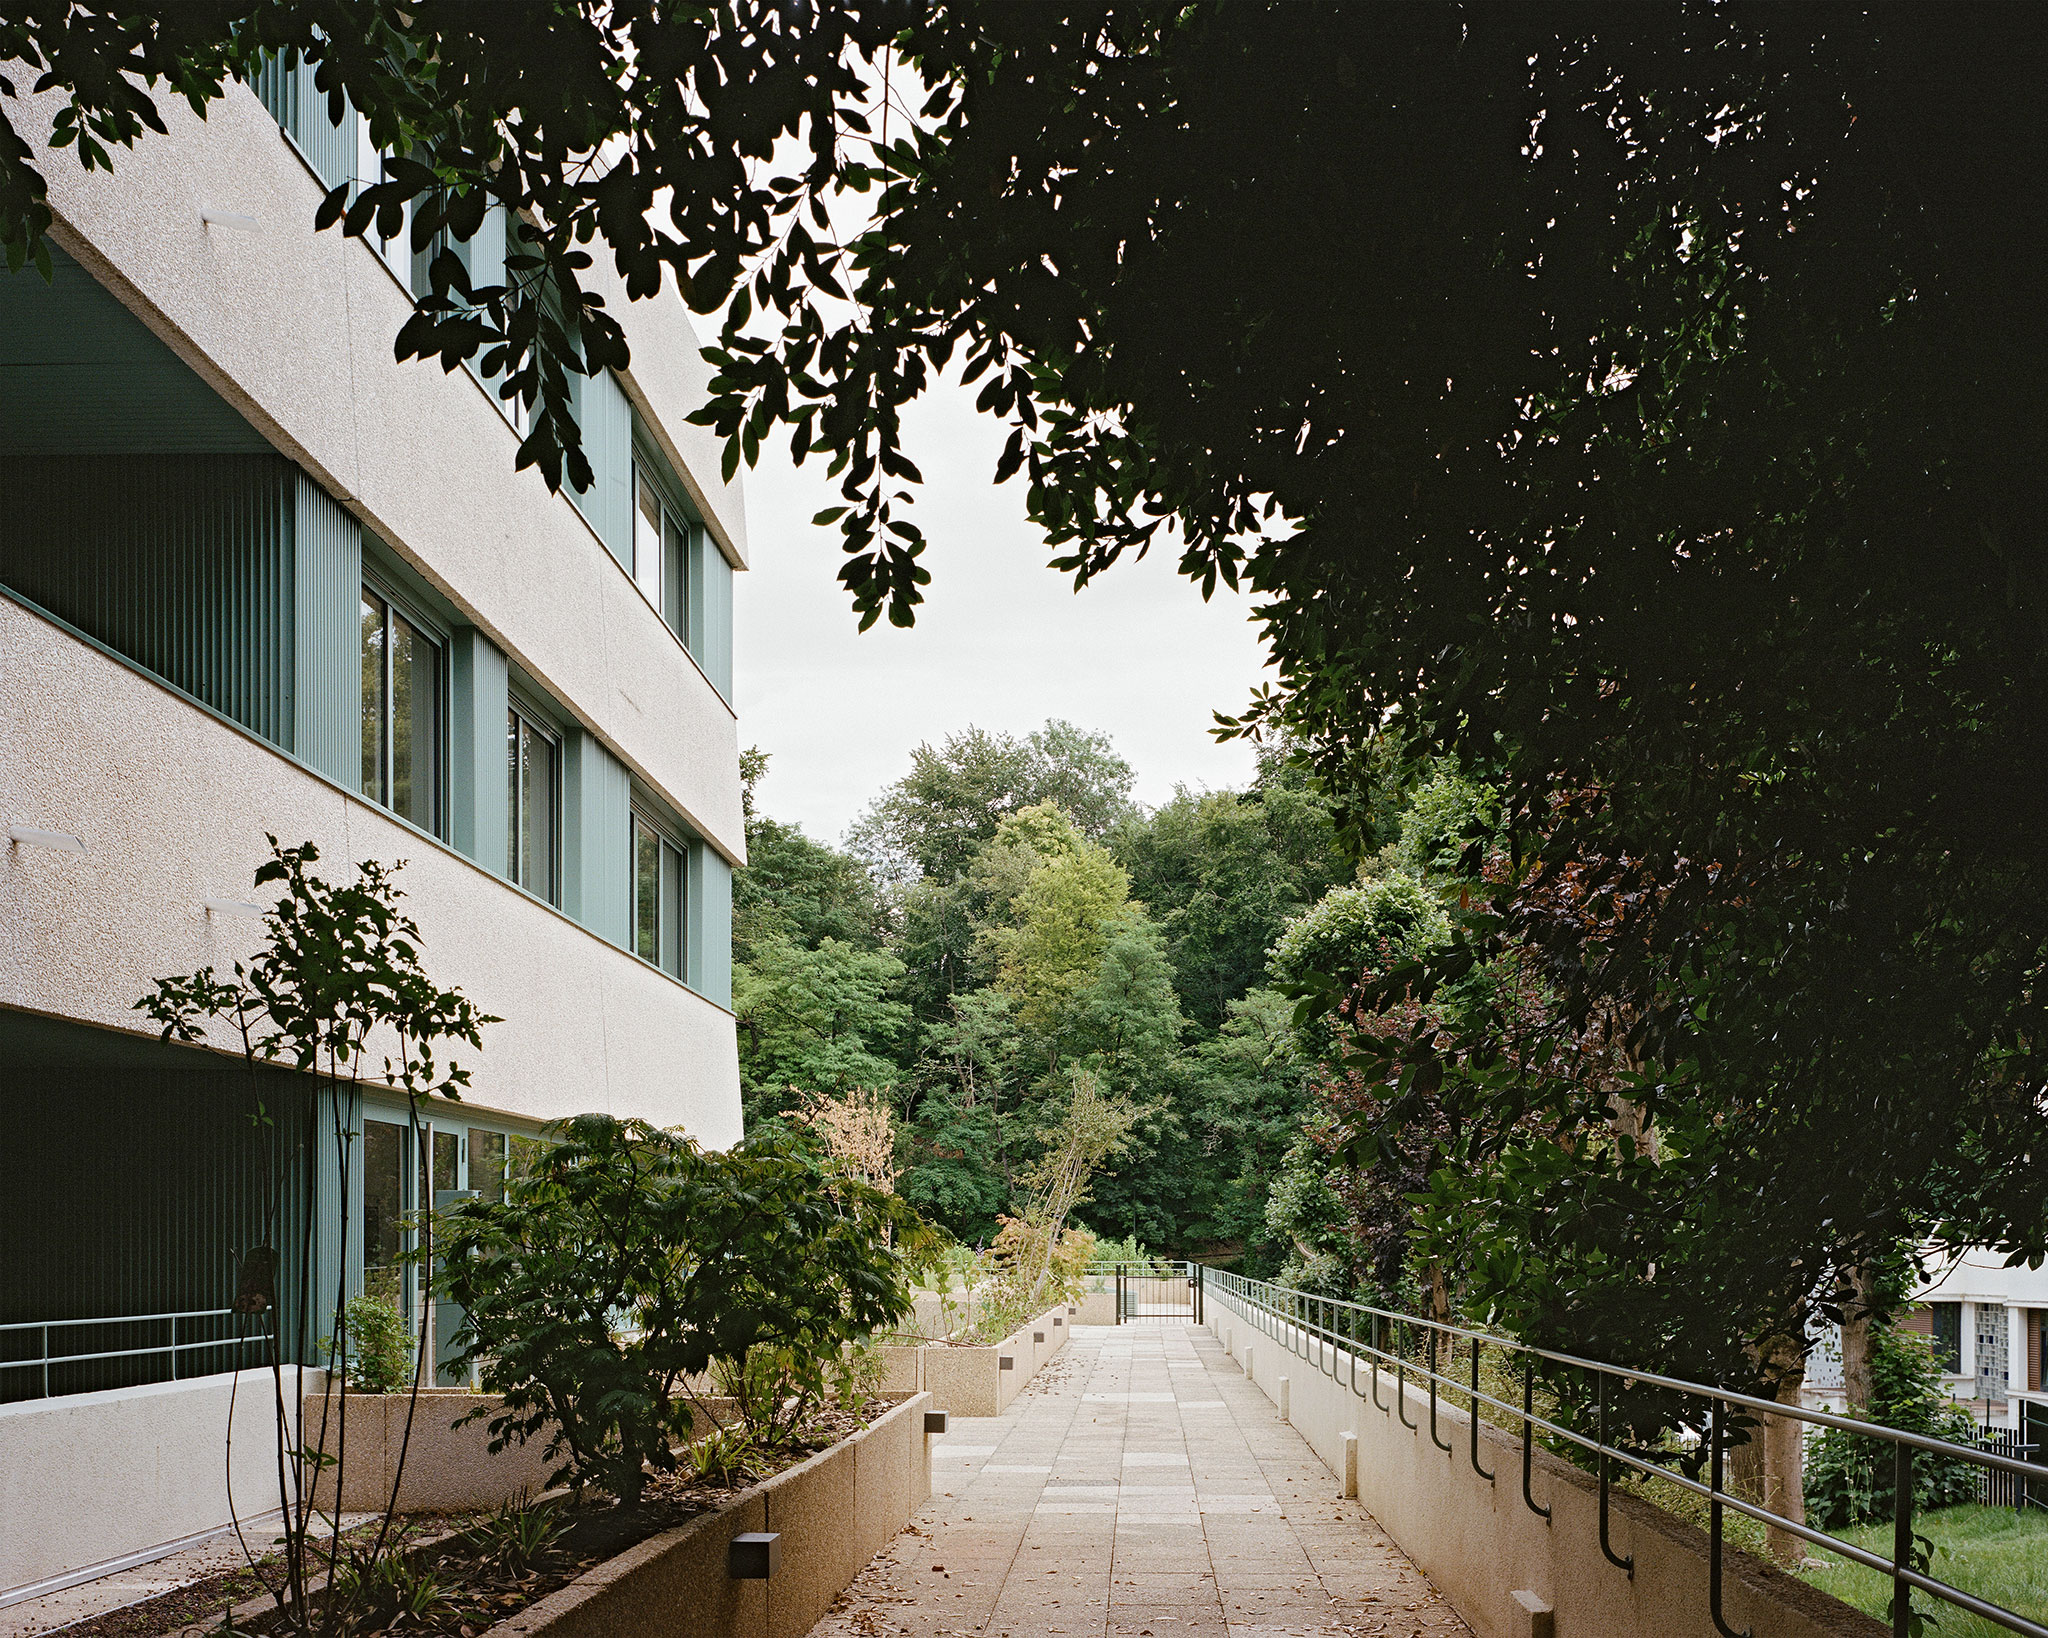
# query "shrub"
(1849, 1476)
(379, 1345)
(629, 1261)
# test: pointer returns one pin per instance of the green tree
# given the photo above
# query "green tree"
(935, 819)
(817, 1020)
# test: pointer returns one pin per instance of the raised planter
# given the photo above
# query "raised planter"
(448, 1469)
(832, 1513)
(975, 1381)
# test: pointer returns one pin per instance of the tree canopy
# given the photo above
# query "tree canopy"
(1637, 409)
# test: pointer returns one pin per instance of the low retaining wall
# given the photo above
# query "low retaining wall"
(834, 1513)
(1479, 1542)
(105, 1476)
(973, 1381)
(448, 1469)
(1097, 1308)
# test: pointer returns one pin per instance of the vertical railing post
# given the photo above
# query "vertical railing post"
(1629, 1564)
(1902, 1539)
(1476, 1468)
(1714, 1527)
(1529, 1436)
(1119, 1293)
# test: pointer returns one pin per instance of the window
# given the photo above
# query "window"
(370, 172)
(532, 762)
(401, 714)
(1948, 1336)
(661, 552)
(657, 898)
(487, 1164)
(383, 1208)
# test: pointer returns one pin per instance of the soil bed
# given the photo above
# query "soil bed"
(473, 1590)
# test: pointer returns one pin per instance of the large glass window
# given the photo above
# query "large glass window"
(661, 540)
(531, 773)
(1948, 1335)
(383, 1207)
(657, 898)
(401, 714)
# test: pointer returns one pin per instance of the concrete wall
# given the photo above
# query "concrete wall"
(296, 329)
(172, 804)
(95, 1476)
(1479, 1542)
(833, 1512)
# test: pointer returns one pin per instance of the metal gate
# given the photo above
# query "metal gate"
(1155, 1292)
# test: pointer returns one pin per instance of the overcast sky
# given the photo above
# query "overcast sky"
(1001, 641)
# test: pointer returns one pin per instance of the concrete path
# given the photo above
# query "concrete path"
(1140, 1487)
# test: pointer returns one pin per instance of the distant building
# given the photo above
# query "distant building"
(256, 576)
(1984, 1321)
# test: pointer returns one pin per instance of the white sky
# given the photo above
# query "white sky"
(1001, 641)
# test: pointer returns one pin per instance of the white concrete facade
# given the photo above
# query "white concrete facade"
(172, 801)
(172, 805)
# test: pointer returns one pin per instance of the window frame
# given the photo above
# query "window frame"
(674, 583)
(538, 724)
(672, 903)
(374, 585)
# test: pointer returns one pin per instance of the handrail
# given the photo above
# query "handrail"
(1312, 1320)
(44, 1360)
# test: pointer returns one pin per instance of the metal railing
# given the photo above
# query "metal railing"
(1338, 1338)
(43, 1360)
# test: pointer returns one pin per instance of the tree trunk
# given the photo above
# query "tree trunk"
(1858, 1384)
(1784, 1451)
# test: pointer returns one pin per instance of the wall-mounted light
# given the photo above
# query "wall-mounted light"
(754, 1555)
(56, 840)
(232, 220)
(234, 907)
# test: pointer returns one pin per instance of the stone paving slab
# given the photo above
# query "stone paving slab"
(1139, 1487)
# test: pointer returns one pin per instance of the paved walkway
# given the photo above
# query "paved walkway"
(1139, 1488)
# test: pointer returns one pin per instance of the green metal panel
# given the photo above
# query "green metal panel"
(80, 374)
(327, 582)
(135, 1180)
(606, 418)
(298, 105)
(711, 614)
(597, 805)
(710, 936)
(477, 817)
(182, 564)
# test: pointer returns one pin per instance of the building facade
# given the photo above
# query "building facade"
(257, 578)
(1984, 1322)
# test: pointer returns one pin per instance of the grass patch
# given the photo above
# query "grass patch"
(1992, 1552)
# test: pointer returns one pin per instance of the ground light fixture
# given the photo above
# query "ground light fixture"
(57, 841)
(754, 1555)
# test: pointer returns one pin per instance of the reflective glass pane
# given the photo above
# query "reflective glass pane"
(383, 1205)
(514, 867)
(537, 812)
(671, 911)
(675, 581)
(487, 1164)
(447, 1159)
(647, 539)
(647, 892)
(415, 723)
(374, 614)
